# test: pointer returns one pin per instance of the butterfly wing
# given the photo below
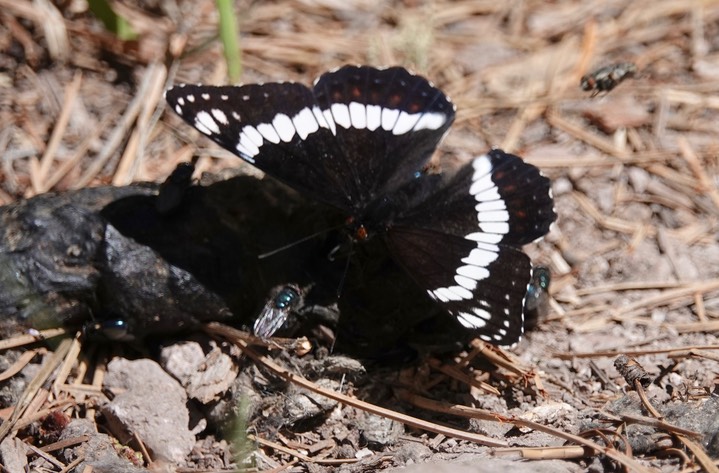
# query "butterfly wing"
(483, 285)
(497, 198)
(460, 241)
(389, 123)
(360, 132)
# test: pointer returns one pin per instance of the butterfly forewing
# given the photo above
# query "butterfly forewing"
(360, 133)
(482, 285)
(389, 123)
(277, 127)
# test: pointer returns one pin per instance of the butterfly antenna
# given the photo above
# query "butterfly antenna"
(297, 242)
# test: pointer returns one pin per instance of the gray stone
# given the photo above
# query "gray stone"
(181, 359)
(379, 430)
(412, 452)
(99, 451)
(151, 405)
(205, 376)
(13, 456)
(303, 404)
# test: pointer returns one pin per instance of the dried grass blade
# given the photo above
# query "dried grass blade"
(38, 179)
(32, 388)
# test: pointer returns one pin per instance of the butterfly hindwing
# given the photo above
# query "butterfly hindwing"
(483, 285)
(460, 241)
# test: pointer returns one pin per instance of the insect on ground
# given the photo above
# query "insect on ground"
(607, 78)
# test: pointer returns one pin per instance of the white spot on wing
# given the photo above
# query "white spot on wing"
(268, 132)
(285, 128)
(481, 313)
(474, 272)
(358, 115)
(220, 116)
(444, 294)
(206, 96)
(470, 320)
(405, 123)
(247, 147)
(181, 100)
(480, 257)
(253, 135)
(341, 115)
(491, 205)
(305, 123)
(480, 185)
(324, 118)
(389, 118)
(482, 166)
(452, 293)
(374, 117)
(178, 110)
(501, 228)
(487, 195)
(482, 237)
(206, 124)
(431, 121)
(190, 98)
(493, 216)
(467, 283)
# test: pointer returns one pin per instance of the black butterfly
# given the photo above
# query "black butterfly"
(360, 140)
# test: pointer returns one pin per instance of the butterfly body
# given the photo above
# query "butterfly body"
(360, 140)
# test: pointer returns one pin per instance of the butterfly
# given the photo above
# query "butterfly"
(360, 140)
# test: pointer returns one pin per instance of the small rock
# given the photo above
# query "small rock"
(412, 452)
(339, 365)
(549, 412)
(12, 453)
(363, 453)
(181, 359)
(153, 406)
(243, 399)
(205, 376)
(99, 451)
(379, 430)
(303, 404)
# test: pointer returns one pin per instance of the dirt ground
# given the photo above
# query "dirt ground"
(634, 255)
